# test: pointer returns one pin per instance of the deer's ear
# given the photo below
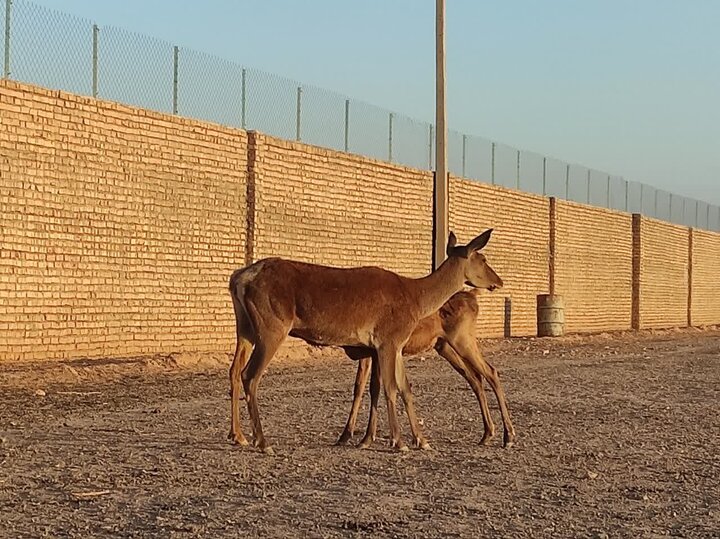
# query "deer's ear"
(453, 249)
(480, 242)
(452, 242)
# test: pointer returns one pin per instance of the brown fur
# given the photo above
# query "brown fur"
(451, 331)
(365, 307)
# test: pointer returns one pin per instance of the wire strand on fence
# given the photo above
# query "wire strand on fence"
(59, 51)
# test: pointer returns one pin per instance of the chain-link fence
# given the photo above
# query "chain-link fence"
(59, 51)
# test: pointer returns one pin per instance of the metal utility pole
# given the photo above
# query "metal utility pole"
(8, 12)
(441, 195)
(95, 31)
(176, 53)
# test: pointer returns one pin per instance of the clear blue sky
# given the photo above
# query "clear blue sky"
(630, 87)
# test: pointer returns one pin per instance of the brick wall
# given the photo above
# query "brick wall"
(593, 267)
(705, 278)
(339, 209)
(118, 229)
(518, 249)
(663, 288)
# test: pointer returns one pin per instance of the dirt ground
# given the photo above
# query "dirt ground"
(618, 436)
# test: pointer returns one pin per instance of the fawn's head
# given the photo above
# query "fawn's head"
(478, 272)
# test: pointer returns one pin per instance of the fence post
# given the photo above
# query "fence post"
(608, 192)
(544, 178)
(242, 99)
(656, 196)
(707, 217)
(588, 186)
(297, 113)
(175, 79)
(463, 155)
(347, 125)
(492, 166)
(567, 182)
(670, 208)
(430, 149)
(95, 60)
(683, 210)
(6, 70)
(390, 129)
(627, 195)
(517, 175)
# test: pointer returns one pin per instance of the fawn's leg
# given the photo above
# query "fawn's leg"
(361, 379)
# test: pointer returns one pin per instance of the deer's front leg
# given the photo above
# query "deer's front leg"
(388, 357)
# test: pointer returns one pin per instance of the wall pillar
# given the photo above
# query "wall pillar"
(551, 246)
(690, 277)
(253, 171)
(636, 259)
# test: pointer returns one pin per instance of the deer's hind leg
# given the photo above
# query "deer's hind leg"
(243, 348)
(476, 383)
(467, 348)
(268, 340)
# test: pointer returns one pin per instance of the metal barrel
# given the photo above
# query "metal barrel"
(550, 315)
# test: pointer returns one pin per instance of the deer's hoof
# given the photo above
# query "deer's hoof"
(399, 445)
(508, 439)
(344, 439)
(365, 443)
(421, 443)
(238, 439)
(486, 439)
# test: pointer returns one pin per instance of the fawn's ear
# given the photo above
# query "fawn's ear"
(480, 242)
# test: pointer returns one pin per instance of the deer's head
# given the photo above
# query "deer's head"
(478, 272)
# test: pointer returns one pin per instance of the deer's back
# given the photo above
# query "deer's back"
(328, 305)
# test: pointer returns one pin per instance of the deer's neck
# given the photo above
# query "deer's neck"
(435, 289)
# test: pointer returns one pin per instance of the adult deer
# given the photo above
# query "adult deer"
(452, 332)
(368, 307)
